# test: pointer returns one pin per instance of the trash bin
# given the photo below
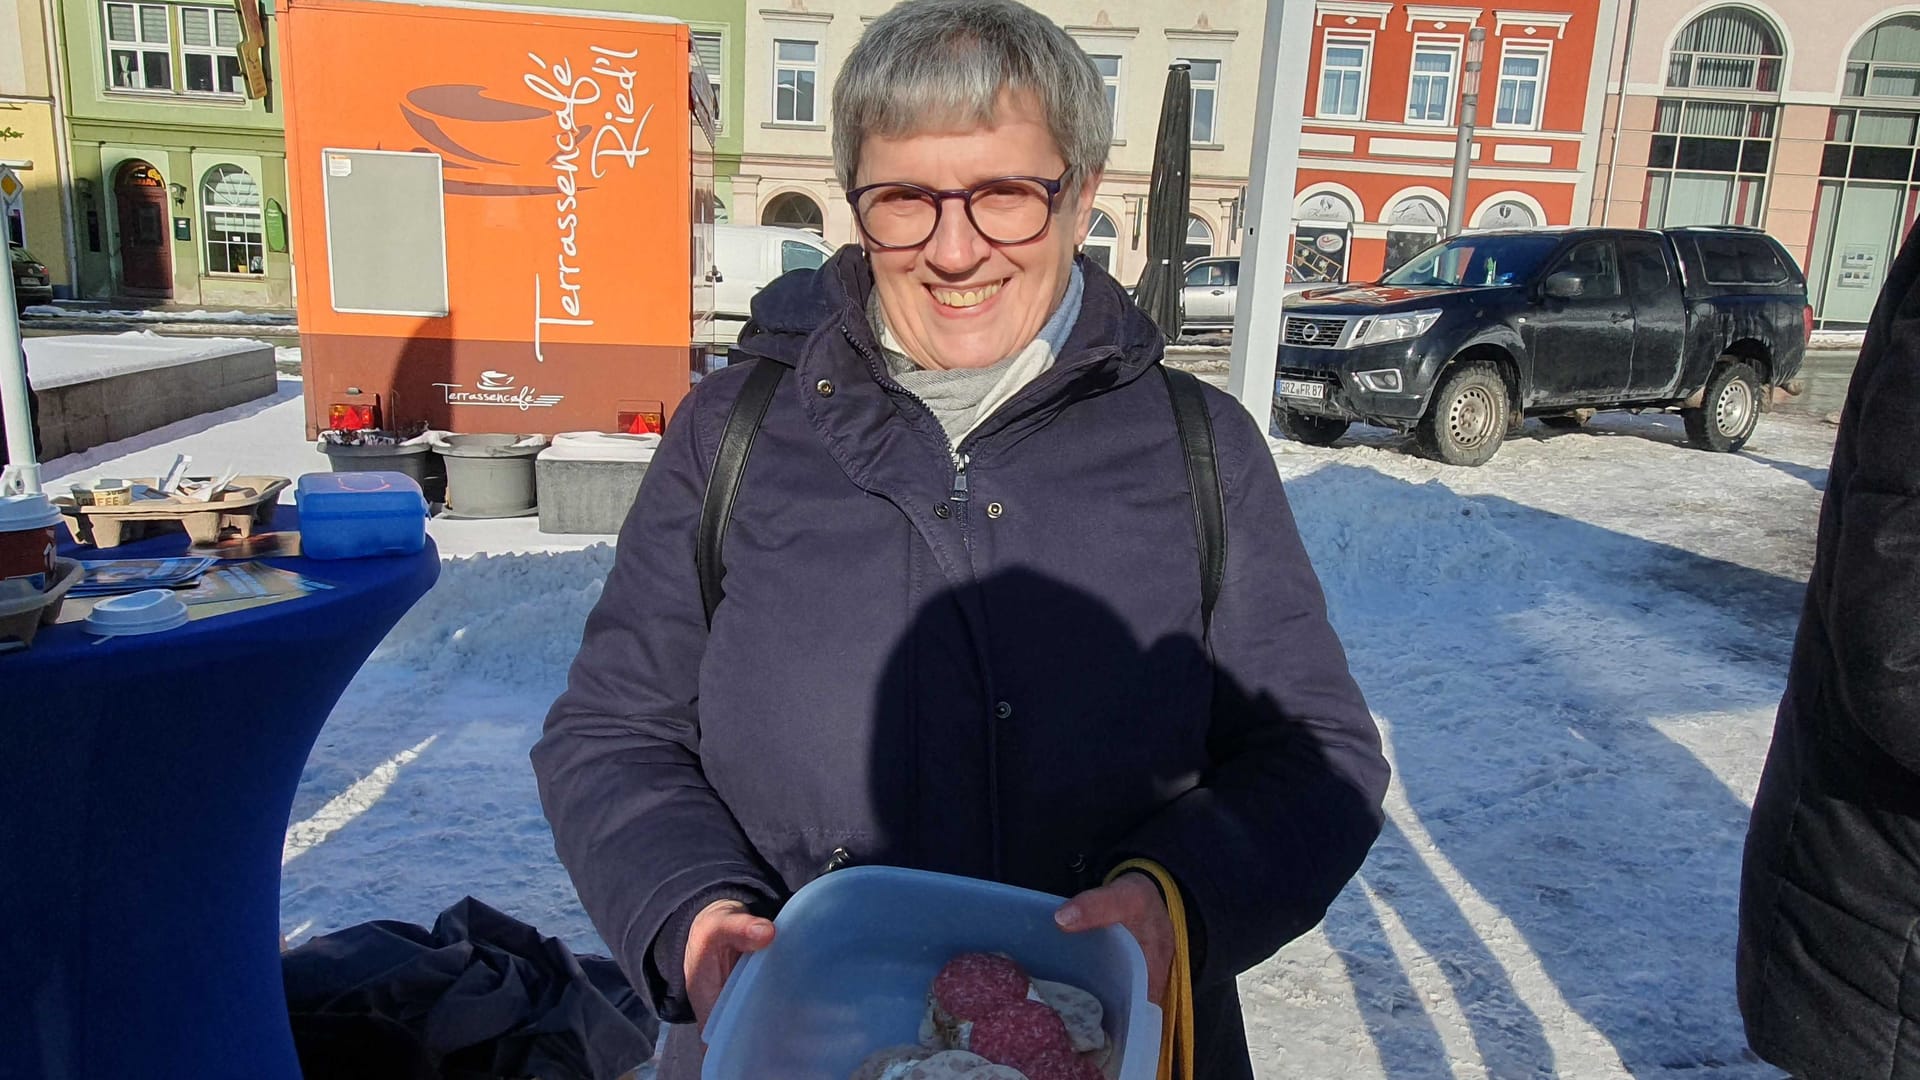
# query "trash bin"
(588, 480)
(416, 460)
(490, 476)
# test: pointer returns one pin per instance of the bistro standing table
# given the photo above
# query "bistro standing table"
(145, 784)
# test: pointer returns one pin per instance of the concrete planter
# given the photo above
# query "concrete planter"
(490, 476)
(588, 480)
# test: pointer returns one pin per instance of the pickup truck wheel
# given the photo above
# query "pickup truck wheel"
(1729, 411)
(1467, 421)
(1311, 430)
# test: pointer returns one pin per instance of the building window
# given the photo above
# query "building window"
(796, 73)
(139, 56)
(236, 235)
(1199, 239)
(1103, 241)
(1523, 85)
(1708, 163)
(711, 48)
(1206, 101)
(1344, 64)
(1728, 48)
(794, 211)
(208, 39)
(1886, 62)
(1415, 224)
(1109, 69)
(1430, 92)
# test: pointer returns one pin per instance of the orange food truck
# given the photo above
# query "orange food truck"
(502, 215)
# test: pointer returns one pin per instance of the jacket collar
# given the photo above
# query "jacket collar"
(883, 437)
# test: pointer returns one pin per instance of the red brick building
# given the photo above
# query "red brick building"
(1380, 118)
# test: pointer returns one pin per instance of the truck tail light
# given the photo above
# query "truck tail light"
(1806, 315)
(354, 417)
(648, 418)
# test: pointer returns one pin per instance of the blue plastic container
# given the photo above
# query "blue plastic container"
(354, 515)
(856, 951)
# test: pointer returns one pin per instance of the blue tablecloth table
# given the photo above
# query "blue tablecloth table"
(145, 786)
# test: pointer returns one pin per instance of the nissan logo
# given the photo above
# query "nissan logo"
(1310, 332)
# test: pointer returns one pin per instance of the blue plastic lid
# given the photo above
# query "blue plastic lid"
(360, 493)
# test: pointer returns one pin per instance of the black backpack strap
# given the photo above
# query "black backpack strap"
(1203, 476)
(729, 463)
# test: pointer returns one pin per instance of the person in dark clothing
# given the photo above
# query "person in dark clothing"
(1829, 954)
(969, 480)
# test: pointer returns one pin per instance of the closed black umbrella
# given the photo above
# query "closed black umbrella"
(1159, 291)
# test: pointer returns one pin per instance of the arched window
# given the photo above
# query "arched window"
(1886, 62)
(1508, 214)
(1728, 48)
(1414, 224)
(1199, 239)
(1103, 241)
(236, 232)
(794, 211)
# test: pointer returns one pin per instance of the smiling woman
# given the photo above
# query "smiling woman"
(962, 558)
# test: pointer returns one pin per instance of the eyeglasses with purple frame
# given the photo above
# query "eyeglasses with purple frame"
(966, 196)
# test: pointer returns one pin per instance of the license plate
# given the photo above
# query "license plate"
(1302, 388)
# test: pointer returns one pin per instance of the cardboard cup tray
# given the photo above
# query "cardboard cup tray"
(247, 501)
(21, 618)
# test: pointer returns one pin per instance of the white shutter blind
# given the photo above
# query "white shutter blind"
(707, 45)
(153, 24)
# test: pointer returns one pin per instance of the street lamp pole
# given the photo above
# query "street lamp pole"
(1267, 219)
(1463, 138)
(16, 395)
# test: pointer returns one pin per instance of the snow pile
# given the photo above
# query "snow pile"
(221, 318)
(77, 358)
(1379, 542)
(512, 620)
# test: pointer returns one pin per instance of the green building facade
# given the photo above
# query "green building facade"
(180, 178)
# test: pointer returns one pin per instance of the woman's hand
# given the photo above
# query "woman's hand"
(1132, 901)
(719, 937)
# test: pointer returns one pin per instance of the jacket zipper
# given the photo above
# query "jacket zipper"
(959, 494)
(879, 370)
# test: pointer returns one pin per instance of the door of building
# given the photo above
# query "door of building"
(1859, 251)
(146, 251)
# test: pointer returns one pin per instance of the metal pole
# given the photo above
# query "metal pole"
(1463, 139)
(16, 407)
(1271, 189)
(1619, 111)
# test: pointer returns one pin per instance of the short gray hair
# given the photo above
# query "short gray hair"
(927, 62)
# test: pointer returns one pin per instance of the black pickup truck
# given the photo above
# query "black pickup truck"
(1469, 338)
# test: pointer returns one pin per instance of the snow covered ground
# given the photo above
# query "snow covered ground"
(1575, 653)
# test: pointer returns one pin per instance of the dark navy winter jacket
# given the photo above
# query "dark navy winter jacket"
(1829, 954)
(1005, 679)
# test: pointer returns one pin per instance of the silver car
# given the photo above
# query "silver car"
(1211, 290)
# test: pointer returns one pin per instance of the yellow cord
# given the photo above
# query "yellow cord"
(1176, 1010)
